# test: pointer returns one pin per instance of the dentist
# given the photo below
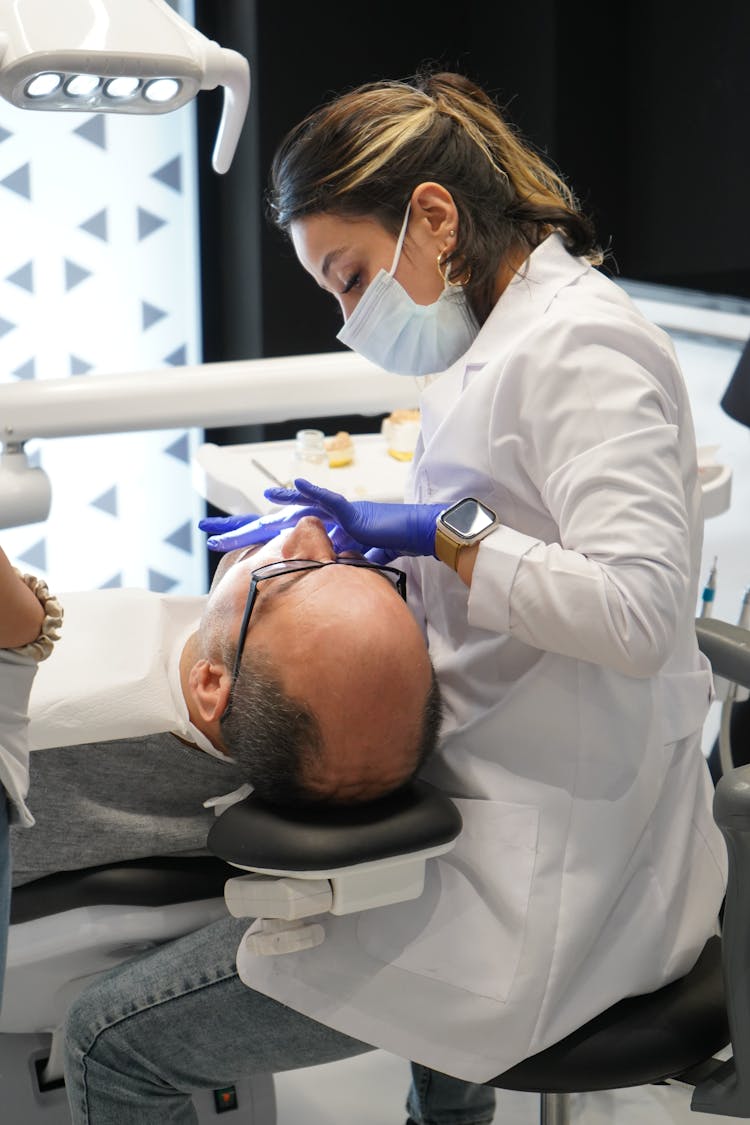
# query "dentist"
(554, 520)
(553, 537)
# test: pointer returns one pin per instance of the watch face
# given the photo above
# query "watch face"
(468, 518)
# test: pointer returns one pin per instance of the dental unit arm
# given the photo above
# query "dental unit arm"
(206, 395)
(118, 56)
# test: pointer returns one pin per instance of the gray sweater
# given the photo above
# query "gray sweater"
(111, 801)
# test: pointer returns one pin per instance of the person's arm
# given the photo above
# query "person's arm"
(21, 612)
(594, 414)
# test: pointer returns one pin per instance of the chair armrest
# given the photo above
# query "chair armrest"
(158, 881)
(728, 1090)
(727, 648)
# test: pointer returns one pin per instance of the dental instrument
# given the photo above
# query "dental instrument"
(709, 592)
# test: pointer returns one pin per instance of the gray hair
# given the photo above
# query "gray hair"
(278, 744)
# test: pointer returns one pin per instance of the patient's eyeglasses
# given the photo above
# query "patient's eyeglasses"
(285, 567)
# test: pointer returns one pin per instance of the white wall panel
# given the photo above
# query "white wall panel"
(99, 273)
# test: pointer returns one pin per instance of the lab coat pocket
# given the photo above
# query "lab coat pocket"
(685, 700)
(467, 928)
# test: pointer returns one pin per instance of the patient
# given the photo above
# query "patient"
(141, 720)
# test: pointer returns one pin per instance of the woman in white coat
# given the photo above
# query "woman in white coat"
(562, 632)
(559, 612)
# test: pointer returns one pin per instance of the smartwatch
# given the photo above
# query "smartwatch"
(462, 525)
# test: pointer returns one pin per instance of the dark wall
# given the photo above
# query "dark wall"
(690, 148)
(643, 106)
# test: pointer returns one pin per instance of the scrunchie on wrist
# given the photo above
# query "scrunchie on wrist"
(41, 648)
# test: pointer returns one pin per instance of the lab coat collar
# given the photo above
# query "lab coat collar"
(547, 270)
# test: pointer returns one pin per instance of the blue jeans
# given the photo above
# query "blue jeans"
(4, 884)
(436, 1099)
(140, 1038)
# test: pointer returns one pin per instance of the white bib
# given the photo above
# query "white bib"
(113, 673)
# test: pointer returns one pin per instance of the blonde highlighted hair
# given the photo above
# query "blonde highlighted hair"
(362, 154)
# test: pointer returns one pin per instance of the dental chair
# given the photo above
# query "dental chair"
(68, 928)
(298, 865)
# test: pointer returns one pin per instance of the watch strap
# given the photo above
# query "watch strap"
(447, 549)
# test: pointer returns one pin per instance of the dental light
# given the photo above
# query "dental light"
(117, 56)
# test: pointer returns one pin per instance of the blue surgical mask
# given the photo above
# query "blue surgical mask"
(390, 329)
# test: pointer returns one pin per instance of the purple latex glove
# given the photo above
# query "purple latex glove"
(216, 525)
(382, 531)
(227, 533)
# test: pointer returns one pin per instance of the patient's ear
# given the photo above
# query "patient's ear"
(210, 687)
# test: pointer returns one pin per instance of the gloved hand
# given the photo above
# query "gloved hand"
(226, 533)
(383, 532)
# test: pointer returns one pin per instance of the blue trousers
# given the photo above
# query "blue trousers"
(140, 1038)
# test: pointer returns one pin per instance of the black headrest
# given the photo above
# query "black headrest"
(318, 838)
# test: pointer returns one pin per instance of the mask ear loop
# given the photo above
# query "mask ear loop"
(444, 269)
(400, 243)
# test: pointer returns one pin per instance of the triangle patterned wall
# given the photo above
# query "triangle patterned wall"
(99, 274)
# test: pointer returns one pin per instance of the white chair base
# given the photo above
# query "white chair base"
(50, 960)
(27, 1102)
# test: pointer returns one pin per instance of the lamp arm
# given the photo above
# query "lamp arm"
(231, 70)
(205, 395)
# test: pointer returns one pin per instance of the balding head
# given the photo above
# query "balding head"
(336, 699)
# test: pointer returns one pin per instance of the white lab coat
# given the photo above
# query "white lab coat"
(589, 866)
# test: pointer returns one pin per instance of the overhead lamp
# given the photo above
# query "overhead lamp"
(117, 56)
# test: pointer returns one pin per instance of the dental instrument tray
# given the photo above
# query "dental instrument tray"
(234, 477)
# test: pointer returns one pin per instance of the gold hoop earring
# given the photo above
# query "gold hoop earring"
(444, 269)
